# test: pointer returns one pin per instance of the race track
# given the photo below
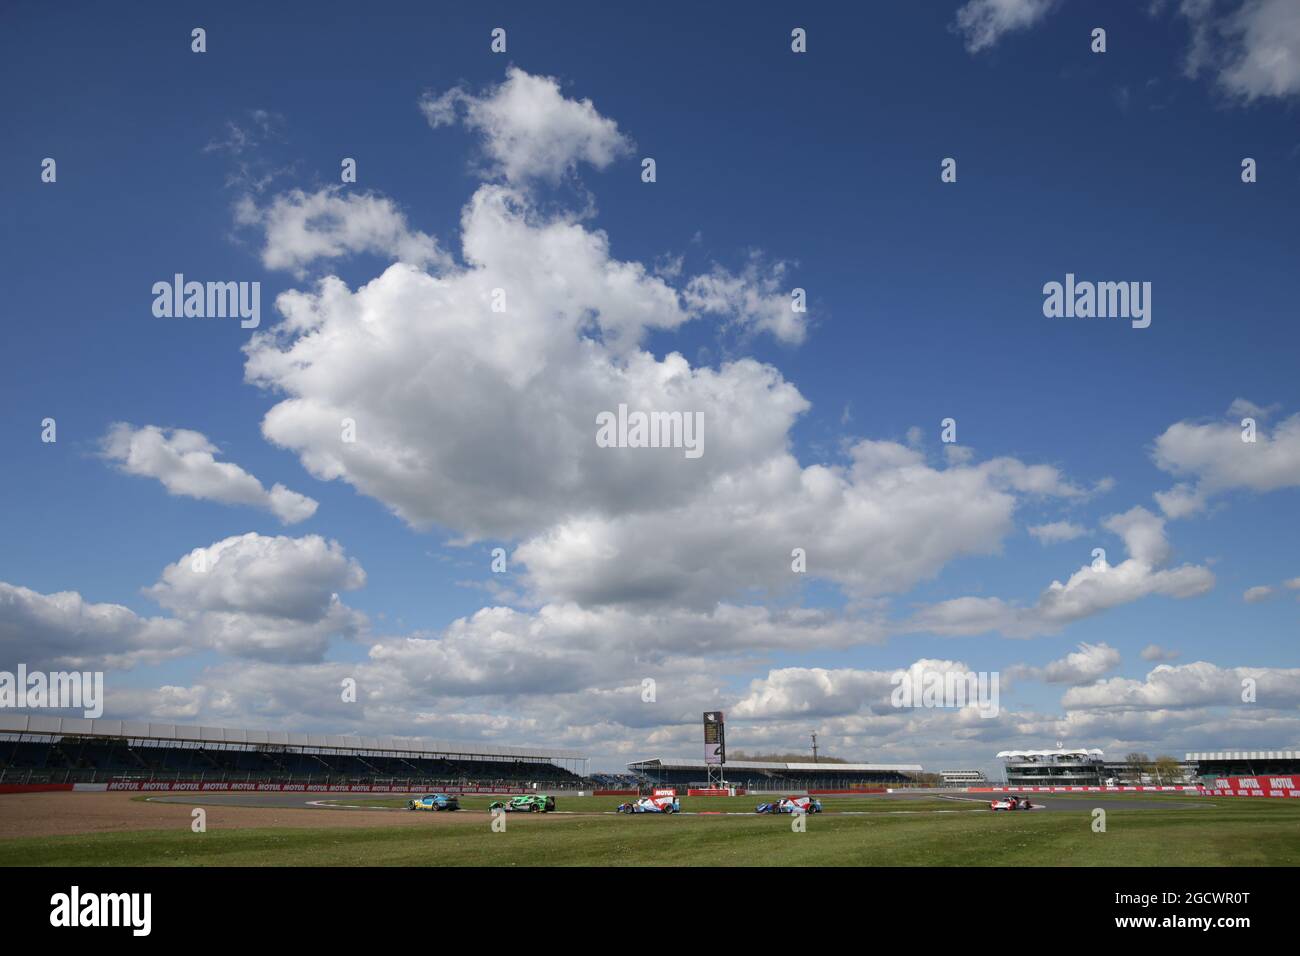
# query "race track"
(1081, 803)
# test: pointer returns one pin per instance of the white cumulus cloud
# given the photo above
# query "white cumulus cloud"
(529, 128)
(1095, 587)
(185, 462)
(1253, 48)
(300, 228)
(1082, 666)
(1212, 458)
(1056, 531)
(1200, 684)
(256, 596)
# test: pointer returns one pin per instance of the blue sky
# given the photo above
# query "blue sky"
(775, 170)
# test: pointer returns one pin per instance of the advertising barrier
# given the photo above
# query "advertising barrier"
(1263, 785)
(198, 786)
(1167, 789)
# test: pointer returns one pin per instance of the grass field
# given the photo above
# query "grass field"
(1244, 832)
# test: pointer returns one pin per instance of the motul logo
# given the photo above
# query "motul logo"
(1281, 783)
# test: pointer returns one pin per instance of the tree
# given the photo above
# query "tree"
(1138, 765)
(782, 758)
(1168, 770)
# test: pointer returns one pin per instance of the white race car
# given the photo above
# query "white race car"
(1011, 803)
(651, 805)
(661, 800)
(791, 805)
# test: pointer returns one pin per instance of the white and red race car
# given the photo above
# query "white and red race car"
(791, 805)
(1011, 803)
(661, 800)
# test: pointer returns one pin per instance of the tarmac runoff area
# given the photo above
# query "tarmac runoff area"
(962, 803)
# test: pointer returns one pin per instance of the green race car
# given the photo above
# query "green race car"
(526, 803)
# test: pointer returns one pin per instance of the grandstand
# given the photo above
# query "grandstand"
(764, 775)
(1089, 767)
(1076, 767)
(1243, 763)
(38, 749)
(616, 781)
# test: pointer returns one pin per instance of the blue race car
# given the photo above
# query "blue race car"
(791, 805)
(434, 801)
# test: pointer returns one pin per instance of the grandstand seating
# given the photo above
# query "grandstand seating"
(617, 781)
(767, 779)
(86, 758)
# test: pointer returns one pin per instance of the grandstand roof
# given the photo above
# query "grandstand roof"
(1247, 755)
(191, 733)
(1075, 752)
(661, 764)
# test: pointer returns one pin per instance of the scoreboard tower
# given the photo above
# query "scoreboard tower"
(715, 747)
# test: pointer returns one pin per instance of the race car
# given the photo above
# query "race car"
(525, 803)
(664, 804)
(1011, 803)
(434, 801)
(791, 805)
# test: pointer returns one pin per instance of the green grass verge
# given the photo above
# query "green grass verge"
(1246, 832)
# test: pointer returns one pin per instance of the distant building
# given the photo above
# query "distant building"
(1054, 768)
(1082, 767)
(762, 774)
(962, 778)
